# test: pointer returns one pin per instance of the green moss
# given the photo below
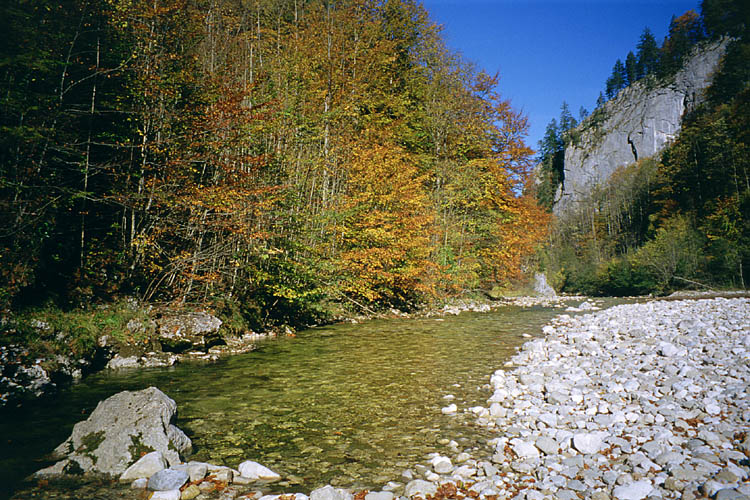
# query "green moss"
(137, 449)
(73, 468)
(90, 443)
(49, 331)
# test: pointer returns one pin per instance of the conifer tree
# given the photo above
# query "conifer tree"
(648, 54)
(567, 122)
(631, 68)
(617, 81)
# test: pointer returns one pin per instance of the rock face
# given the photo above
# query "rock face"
(541, 287)
(118, 431)
(638, 123)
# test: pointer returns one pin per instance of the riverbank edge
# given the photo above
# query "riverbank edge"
(25, 378)
(706, 459)
(143, 337)
(468, 464)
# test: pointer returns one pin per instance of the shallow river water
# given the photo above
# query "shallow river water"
(349, 405)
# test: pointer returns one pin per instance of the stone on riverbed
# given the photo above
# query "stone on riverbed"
(633, 491)
(589, 443)
(145, 467)
(167, 479)
(328, 492)
(254, 470)
(166, 495)
(420, 487)
(442, 465)
(118, 431)
(379, 495)
(450, 409)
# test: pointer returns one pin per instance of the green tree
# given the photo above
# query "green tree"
(647, 54)
(684, 32)
(725, 17)
(617, 80)
(674, 254)
(566, 122)
(631, 68)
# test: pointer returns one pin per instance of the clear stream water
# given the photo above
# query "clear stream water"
(349, 405)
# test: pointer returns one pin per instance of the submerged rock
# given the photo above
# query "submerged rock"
(167, 479)
(254, 470)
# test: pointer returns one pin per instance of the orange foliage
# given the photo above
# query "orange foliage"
(385, 226)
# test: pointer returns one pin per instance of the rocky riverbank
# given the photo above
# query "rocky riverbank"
(46, 356)
(638, 401)
(44, 359)
(634, 402)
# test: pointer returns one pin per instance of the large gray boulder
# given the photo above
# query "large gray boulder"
(120, 430)
(189, 331)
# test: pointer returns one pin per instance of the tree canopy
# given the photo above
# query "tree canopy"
(279, 153)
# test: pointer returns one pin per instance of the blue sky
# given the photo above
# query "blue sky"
(550, 51)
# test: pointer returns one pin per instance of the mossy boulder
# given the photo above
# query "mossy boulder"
(120, 430)
(189, 331)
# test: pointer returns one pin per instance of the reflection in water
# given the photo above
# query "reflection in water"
(350, 405)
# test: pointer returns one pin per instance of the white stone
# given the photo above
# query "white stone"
(589, 443)
(524, 449)
(148, 465)
(633, 491)
(450, 409)
(166, 495)
(328, 492)
(442, 465)
(254, 470)
(418, 487)
(379, 495)
(668, 350)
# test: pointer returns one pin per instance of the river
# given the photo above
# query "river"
(350, 405)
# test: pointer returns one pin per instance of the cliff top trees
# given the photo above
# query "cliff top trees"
(648, 54)
(684, 32)
(618, 80)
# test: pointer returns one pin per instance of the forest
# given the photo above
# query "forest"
(677, 220)
(275, 158)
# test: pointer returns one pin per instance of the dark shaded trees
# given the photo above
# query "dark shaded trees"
(617, 80)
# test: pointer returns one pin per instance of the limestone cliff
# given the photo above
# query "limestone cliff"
(638, 123)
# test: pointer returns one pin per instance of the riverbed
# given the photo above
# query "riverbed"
(350, 405)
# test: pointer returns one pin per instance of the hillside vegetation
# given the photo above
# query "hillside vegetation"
(679, 220)
(271, 157)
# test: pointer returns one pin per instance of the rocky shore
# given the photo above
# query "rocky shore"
(639, 401)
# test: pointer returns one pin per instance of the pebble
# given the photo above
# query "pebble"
(166, 495)
(419, 487)
(254, 470)
(450, 409)
(148, 465)
(633, 491)
(167, 479)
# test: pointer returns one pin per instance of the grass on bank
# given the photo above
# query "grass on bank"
(46, 332)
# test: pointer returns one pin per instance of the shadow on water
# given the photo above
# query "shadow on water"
(349, 405)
